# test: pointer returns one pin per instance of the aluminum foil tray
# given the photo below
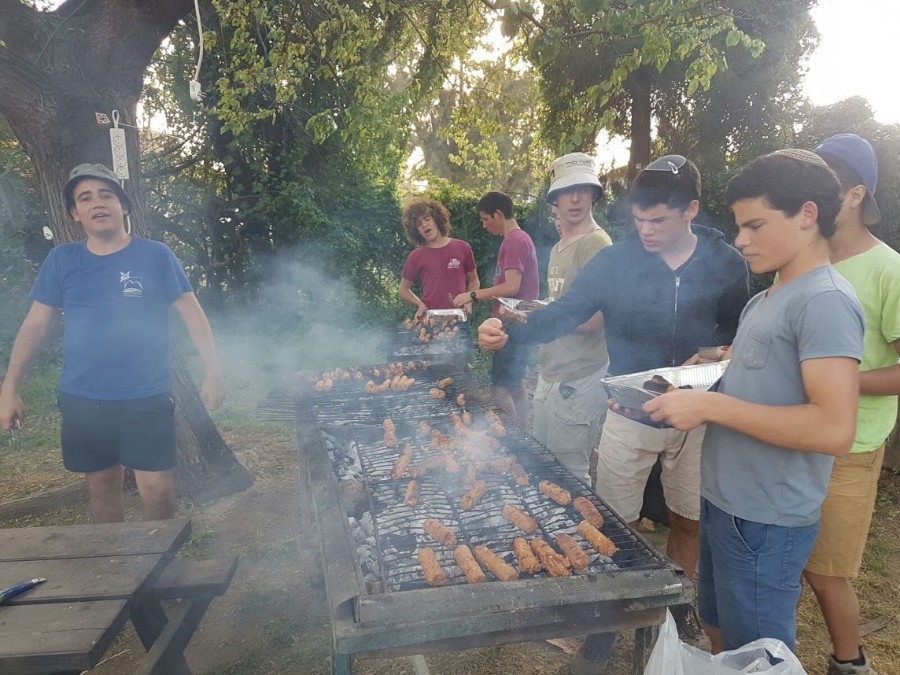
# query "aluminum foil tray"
(457, 314)
(628, 390)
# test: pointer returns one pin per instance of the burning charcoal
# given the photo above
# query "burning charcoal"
(495, 564)
(555, 564)
(528, 563)
(473, 496)
(573, 551)
(431, 568)
(558, 494)
(599, 541)
(590, 513)
(467, 563)
(520, 519)
(439, 532)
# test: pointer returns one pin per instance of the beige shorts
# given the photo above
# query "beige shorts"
(846, 515)
(626, 454)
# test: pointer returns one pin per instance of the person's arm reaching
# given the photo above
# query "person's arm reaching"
(212, 391)
(827, 424)
(31, 337)
(411, 298)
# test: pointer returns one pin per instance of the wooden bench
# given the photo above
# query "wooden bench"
(195, 583)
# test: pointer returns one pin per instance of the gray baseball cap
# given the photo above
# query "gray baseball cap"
(100, 172)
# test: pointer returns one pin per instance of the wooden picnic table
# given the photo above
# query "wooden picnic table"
(98, 576)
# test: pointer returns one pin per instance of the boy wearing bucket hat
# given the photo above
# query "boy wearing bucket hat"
(670, 287)
(569, 400)
(116, 292)
(873, 269)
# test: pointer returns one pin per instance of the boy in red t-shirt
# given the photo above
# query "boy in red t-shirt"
(444, 266)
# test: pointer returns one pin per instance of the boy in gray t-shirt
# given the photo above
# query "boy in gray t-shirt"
(784, 409)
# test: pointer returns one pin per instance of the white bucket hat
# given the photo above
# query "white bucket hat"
(570, 170)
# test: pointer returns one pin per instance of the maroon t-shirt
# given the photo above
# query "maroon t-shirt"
(517, 253)
(442, 272)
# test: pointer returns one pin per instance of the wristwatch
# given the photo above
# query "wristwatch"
(474, 296)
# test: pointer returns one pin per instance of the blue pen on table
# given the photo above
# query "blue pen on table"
(13, 591)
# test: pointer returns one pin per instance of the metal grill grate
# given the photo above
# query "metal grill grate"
(356, 422)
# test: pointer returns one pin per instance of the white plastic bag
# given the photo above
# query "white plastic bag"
(670, 656)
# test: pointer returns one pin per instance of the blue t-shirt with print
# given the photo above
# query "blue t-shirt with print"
(116, 311)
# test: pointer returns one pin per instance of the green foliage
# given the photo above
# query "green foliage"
(21, 245)
(588, 63)
(854, 115)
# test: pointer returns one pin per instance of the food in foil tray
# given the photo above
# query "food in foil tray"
(437, 325)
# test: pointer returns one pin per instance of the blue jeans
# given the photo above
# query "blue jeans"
(750, 576)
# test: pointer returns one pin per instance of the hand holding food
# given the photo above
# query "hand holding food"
(682, 409)
(491, 335)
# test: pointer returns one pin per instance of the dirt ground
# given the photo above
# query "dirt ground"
(273, 618)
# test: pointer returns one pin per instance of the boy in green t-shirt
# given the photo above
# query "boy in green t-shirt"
(873, 268)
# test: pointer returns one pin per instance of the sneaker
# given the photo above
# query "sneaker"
(835, 668)
(689, 630)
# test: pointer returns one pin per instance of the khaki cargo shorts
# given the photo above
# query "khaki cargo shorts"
(846, 515)
(626, 455)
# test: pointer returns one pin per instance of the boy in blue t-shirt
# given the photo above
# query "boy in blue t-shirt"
(784, 409)
(116, 293)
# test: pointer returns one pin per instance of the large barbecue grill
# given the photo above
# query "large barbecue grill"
(368, 538)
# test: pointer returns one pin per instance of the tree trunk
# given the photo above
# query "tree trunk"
(57, 70)
(641, 112)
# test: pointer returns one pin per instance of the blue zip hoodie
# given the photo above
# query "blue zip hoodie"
(654, 316)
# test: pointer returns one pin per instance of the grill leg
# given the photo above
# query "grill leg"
(643, 643)
(340, 664)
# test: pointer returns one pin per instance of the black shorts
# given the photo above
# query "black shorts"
(138, 434)
(508, 365)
